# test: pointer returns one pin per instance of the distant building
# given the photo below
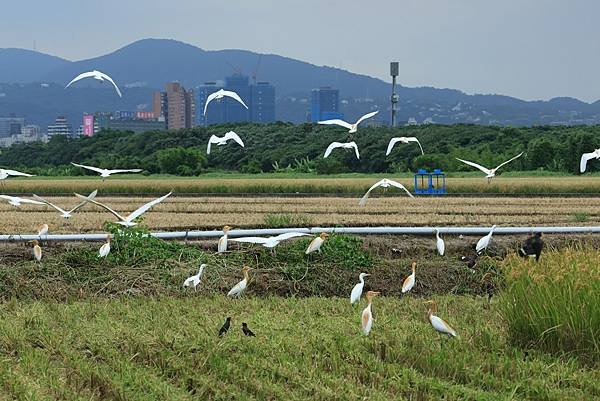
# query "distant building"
(260, 99)
(324, 104)
(10, 126)
(135, 121)
(60, 127)
(176, 105)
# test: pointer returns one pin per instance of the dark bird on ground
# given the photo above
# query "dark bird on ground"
(225, 327)
(247, 331)
(532, 246)
(470, 261)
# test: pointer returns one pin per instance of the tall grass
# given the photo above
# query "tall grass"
(553, 305)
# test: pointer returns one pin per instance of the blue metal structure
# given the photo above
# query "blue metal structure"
(427, 183)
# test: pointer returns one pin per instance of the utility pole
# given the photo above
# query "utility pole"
(394, 74)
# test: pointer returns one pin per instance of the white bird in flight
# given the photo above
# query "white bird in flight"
(98, 75)
(489, 173)
(402, 139)
(129, 220)
(220, 94)
(269, 242)
(347, 145)
(223, 140)
(484, 242)
(64, 213)
(194, 280)
(16, 201)
(105, 173)
(240, 287)
(358, 288)
(588, 156)
(385, 183)
(439, 243)
(352, 128)
(4, 174)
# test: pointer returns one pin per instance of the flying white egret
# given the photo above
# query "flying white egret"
(220, 94)
(129, 220)
(586, 157)
(352, 128)
(43, 230)
(437, 323)
(222, 244)
(409, 282)
(98, 75)
(439, 243)
(240, 287)
(223, 140)
(194, 280)
(315, 244)
(105, 248)
(269, 242)
(4, 174)
(105, 173)
(367, 314)
(37, 250)
(402, 139)
(16, 201)
(385, 183)
(484, 242)
(358, 288)
(67, 214)
(347, 145)
(489, 173)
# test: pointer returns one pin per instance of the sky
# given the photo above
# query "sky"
(531, 49)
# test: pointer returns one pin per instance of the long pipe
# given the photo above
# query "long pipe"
(180, 235)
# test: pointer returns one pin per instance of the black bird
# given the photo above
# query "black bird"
(532, 246)
(470, 261)
(225, 327)
(247, 331)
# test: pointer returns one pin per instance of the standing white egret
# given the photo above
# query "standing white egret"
(439, 243)
(489, 173)
(347, 145)
(43, 230)
(240, 287)
(358, 288)
(484, 241)
(367, 314)
(129, 220)
(385, 183)
(409, 282)
(64, 213)
(223, 140)
(4, 174)
(37, 250)
(402, 139)
(437, 323)
(269, 242)
(105, 173)
(586, 157)
(352, 128)
(315, 244)
(220, 94)
(222, 244)
(16, 201)
(97, 75)
(105, 248)
(194, 280)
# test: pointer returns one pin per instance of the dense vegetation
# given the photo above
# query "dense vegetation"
(300, 148)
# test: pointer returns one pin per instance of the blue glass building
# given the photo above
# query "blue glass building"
(324, 104)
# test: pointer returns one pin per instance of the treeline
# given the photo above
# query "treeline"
(300, 148)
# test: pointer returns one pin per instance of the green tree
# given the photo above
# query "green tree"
(181, 161)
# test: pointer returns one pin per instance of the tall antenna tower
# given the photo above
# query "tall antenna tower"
(394, 73)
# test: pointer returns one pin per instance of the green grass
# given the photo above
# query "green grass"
(311, 348)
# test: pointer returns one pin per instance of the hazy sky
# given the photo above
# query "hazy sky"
(533, 49)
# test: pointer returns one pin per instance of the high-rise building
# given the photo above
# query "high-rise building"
(60, 127)
(324, 104)
(259, 98)
(10, 126)
(176, 105)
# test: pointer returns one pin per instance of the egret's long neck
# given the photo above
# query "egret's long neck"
(362, 279)
(246, 277)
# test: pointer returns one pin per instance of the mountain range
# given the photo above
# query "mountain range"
(146, 65)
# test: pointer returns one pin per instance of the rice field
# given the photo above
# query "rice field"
(209, 212)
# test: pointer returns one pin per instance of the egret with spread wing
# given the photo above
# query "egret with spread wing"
(352, 128)
(67, 214)
(4, 174)
(105, 173)
(129, 220)
(402, 139)
(220, 94)
(98, 75)
(489, 173)
(586, 157)
(269, 242)
(385, 183)
(223, 140)
(16, 201)
(347, 145)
